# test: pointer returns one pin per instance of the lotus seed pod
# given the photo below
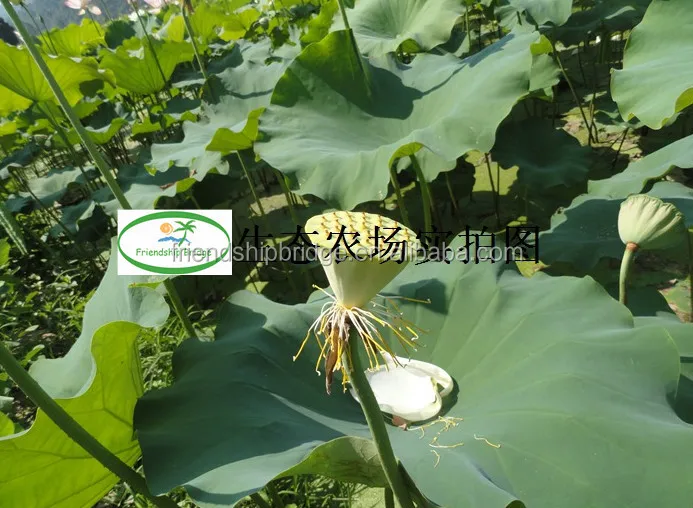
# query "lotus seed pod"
(650, 223)
(361, 252)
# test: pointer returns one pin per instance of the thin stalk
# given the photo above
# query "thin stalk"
(274, 496)
(198, 57)
(425, 193)
(400, 200)
(259, 500)
(73, 429)
(133, 3)
(48, 35)
(355, 45)
(626, 263)
(572, 89)
(33, 20)
(620, 145)
(104, 4)
(287, 195)
(264, 219)
(180, 308)
(496, 196)
(96, 24)
(689, 238)
(86, 139)
(389, 498)
(376, 424)
(63, 135)
(453, 199)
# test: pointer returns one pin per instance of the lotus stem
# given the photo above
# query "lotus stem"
(72, 428)
(425, 193)
(626, 263)
(496, 195)
(389, 498)
(453, 199)
(259, 500)
(198, 57)
(264, 219)
(400, 200)
(93, 150)
(287, 195)
(689, 238)
(133, 3)
(355, 45)
(572, 89)
(376, 423)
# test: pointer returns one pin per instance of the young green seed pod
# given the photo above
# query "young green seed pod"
(361, 253)
(649, 223)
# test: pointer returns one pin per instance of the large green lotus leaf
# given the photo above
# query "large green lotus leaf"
(656, 81)
(6, 425)
(382, 26)
(114, 300)
(51, 187)
(73, 39)
(232, 124)
(11, 102)
(597, 16)
(206, 19)
(553, 415)
(540, 12)
(338, 137)
(100, 136)
(587, 230)
(237, 24)
(638, 174)
(192, 152)
(144, 190)
(20, 74)
(137, 71)
(546, 157)
(43, 467)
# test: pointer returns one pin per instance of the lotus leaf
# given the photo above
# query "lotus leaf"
(549, 414)
(138, 72)
(656, 81)
(382, 26)
(330, 129)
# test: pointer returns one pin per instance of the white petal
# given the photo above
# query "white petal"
(73, 4)
(95, 10)
(409, 390)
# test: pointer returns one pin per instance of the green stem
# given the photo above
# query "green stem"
(376, 423)
(180, 308)
(96, 24)
(48, 35)
(261, 208)
(274, 496)
(400, 200)
(355, 46)
(626, 263)
(259, 500)
(86, 139)
(496, 195)
(389, 498)
(425, 193)
(73, 429)
(572, 89)
(287, 195)
(133, 3)
(198, 57)
(689, 237)
(453, 199)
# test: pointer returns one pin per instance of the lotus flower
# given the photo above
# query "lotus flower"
(360, 253)
(83, 6)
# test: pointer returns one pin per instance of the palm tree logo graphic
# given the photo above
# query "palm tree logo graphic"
(187, 227)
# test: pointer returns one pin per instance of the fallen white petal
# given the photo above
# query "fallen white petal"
(408, 390)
